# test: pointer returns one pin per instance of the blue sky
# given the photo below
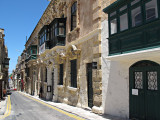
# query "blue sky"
(19, 18)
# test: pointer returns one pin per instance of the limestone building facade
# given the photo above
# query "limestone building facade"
(67, 41)
(70, 72)
(4, 63)
(66, 54)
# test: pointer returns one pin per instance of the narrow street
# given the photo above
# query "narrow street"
(25, 108)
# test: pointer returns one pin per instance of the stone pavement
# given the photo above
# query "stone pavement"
(87, 114)
(3, 106)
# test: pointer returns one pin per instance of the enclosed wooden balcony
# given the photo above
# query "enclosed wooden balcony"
(133, 25)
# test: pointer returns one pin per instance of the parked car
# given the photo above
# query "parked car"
(9, 92)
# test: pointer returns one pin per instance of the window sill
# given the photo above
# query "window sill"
(45, 83)
(71, 88)
(60, 86)
(73, 31)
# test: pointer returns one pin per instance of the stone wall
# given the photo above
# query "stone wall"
(87, 38)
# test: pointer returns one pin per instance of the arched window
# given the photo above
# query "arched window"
(151, 10)
(73, 15)
(150, 14)
(136, 16)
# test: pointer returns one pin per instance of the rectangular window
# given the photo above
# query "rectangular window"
(113, 26)
(152, 80)
(61, 74)
(34, 51)
(53, 31)
(74, 73)
(0, 35)
(124, 22)
(46, 75)
(73, 16)
(136, 16)
(138, 80)
(61, 29)
(151, 10)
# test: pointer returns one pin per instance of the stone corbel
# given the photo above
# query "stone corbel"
(62, 55)
(75, 50)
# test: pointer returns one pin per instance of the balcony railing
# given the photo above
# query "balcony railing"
(31, 57)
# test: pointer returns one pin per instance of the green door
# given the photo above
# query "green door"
(144, 91)
(90, 86)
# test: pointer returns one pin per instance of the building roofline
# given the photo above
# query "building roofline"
(39, 21)
(113, 5)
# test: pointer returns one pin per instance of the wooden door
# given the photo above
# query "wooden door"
(90, 86)
(144, 91)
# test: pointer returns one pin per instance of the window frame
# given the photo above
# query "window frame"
(46, 70)
(43, 35)
(128, 10)
(125, 11)
(141, 8)
(55, 26)
(158, 11)
(73, 73)
(61, 74)
(73, 14)
(112, 18)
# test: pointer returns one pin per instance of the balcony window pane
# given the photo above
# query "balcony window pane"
(112, 14)
(136, 16)
(134, 2)
(45, 37)
(53, 31)
(34, 51)
(56, 25)
(123, 8)
(56, 33)
(123, 22)
(151, 10)
(61, 24)
(114, 26)
(61, 31)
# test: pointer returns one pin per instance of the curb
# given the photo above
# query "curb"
(3, 107)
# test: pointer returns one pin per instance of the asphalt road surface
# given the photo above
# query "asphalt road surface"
(24, 108)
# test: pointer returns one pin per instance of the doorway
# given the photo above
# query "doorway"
(90, 86)
(144, 90)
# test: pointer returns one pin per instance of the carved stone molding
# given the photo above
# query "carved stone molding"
(73, 35)
(73, 52)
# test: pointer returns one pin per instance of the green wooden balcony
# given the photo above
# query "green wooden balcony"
(31, 53)
(142, 37)
(133, 25)
(31, 57)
